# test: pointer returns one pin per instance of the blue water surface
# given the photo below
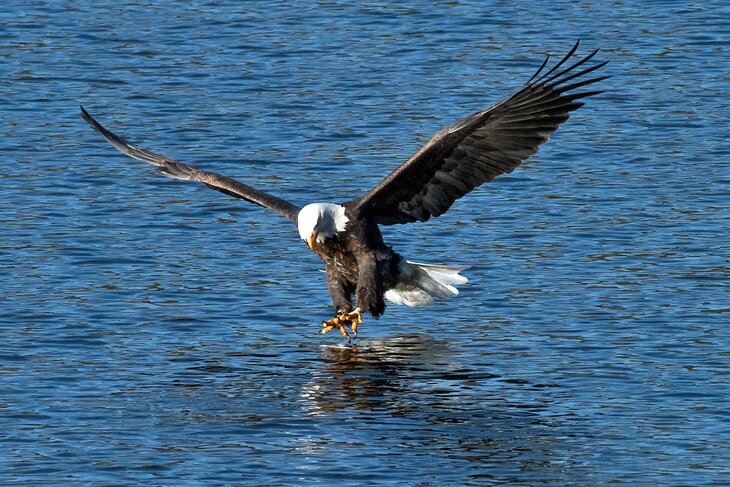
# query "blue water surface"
(156, 332)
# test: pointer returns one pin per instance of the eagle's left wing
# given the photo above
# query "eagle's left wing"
(479, 148)
(177, 170)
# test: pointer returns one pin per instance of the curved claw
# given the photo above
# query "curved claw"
(355, 318)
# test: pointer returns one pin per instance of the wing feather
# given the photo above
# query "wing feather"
(480, 147)
(177, 170)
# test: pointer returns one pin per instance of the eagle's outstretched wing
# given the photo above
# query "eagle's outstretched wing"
(480, 147)
(178, 170)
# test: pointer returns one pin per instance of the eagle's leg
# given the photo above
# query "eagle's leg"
(342, 319)
(341, 291)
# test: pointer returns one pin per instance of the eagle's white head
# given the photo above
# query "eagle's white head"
(319, 221)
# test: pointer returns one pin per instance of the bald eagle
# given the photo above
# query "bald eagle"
(456, 160)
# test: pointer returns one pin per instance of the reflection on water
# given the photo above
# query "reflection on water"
(375, 374)
(416, 392)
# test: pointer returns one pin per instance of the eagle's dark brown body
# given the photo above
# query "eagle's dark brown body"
(358, 262)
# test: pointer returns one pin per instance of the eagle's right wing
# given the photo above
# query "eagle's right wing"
(480, 147)
(178, 170)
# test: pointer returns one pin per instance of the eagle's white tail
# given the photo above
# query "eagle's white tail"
(420, 283)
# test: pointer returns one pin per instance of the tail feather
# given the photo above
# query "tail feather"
(420, 283)
(445, 274)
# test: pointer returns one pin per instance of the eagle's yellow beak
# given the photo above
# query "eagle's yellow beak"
(311, 240)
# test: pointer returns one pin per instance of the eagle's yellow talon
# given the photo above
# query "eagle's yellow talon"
(353, 318)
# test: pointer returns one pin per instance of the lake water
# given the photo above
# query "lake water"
(156, 332)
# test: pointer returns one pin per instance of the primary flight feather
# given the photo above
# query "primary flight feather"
(456, 160)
